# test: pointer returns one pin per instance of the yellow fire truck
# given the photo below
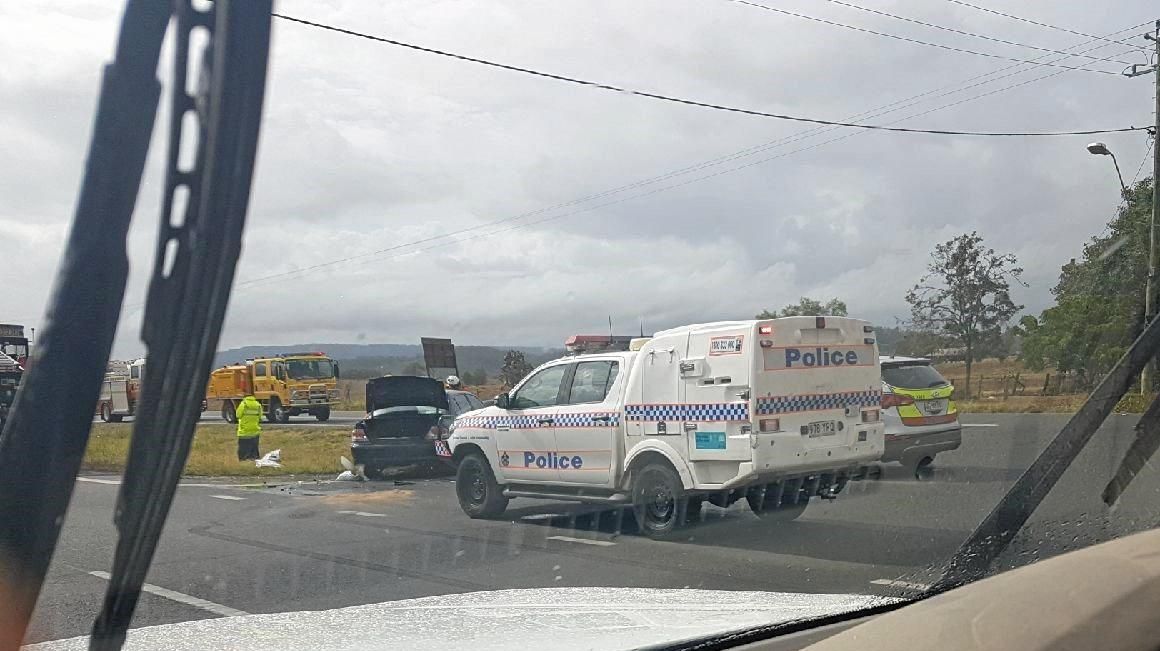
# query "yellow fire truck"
(287, 385)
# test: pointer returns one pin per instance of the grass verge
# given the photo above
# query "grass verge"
(305, 451)
(1131, 403)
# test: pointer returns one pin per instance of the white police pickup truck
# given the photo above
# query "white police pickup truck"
(776, 411)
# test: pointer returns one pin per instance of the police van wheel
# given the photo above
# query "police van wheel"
(657, 501)
(475, 486)
(228, 412)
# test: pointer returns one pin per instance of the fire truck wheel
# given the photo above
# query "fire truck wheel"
(322, 414)
(229, 414)
(278, 413)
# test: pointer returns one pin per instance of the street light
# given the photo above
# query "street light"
(1100, 149)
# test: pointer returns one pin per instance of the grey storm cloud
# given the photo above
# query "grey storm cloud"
(571, 204)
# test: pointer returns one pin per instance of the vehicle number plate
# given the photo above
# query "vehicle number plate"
(822, 428)
(934, 407)
(441, 449)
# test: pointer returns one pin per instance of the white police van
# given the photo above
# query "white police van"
(776, 411)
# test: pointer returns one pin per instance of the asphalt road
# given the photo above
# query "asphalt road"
(343, 419)
(228, 550)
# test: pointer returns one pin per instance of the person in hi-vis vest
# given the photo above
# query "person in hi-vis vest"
(249, 413)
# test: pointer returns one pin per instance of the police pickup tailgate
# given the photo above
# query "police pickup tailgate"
(817, 393)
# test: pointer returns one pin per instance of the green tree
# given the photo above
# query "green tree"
(965, 295)
(1099, 300)
(808, 307)
(515, 367)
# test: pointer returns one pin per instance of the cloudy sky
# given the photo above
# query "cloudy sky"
(610, 204)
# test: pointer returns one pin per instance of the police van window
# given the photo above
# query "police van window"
(260, 369)
(591, 381)
(541, 390)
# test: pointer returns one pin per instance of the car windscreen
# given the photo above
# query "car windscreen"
(912, 376)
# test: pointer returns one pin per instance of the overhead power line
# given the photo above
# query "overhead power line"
(916, 41)
(882, 110)
(1042, 24)
(707, 105)
(1147, 155)
(966, 33)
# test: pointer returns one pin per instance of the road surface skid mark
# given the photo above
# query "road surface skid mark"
(369, 499)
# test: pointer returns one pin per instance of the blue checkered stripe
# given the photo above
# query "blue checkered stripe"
(584, 419)
(817, 402)
(533, 422)
(707, 412)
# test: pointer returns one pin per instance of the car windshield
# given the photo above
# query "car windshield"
(310, 369)
(912, 376)
(737, 313)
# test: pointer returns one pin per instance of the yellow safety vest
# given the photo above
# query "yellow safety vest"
(249, 413)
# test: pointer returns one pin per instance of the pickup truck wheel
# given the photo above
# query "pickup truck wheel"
(322, 414)
(105, 412)
(116, 418)
(229, 413)
(475, 486)
(657, 500)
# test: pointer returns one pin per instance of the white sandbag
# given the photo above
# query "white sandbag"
(272, 459)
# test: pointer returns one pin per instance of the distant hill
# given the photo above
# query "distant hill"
(372, 360)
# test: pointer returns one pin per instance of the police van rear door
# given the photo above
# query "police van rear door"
(817, 376)
(715, 385)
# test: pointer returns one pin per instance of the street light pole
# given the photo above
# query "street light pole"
(1100, 149)
(1149, 298)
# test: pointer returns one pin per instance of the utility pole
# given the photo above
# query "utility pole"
(1149, 296)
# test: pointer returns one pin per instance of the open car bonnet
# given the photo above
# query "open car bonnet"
(405, 391)
(549, 618)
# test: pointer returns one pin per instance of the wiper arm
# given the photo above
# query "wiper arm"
(997, 531)
(44, 438)
(190, 287)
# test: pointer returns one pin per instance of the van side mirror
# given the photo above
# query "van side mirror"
(502, 401)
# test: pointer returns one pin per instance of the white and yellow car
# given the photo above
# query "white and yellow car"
(919, 411)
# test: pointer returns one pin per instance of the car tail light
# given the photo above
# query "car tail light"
(871, 416)
(769, 425)
(895, 400)
(358, 435)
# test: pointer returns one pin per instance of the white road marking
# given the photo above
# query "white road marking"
(196, 602)
(94, 480)
(542, 516)
(227, 497)
(980, 424)
(117, 482)
(583, 541)
(364, 514)
(901, 584)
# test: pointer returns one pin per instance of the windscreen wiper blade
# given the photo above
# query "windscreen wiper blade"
(196, 258)
(44, 438)
(999, 528)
